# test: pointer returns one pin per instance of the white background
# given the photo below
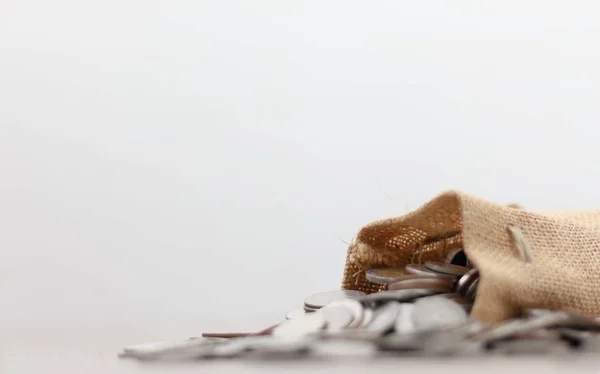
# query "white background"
(203, 160)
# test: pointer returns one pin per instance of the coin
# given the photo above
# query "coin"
(521, 326)
(422, 270)
(384, 318)
(352, 334)
(441, 285)
(354, 307)
(437, 313)
(577, 321)
(384, 275)
(262, 345)
(404, 323)
(424, 286)
(452, 341)
(265, 331)
(426, 277)
(577, 338)
(300, 327)
(440, 267)
(230, 335)
(467, 306)
(298, 312)
(337, 316)
(225, 335)
(237, 346)
(321, 299)
(368, 315)
(422, 318)
(174, 350)
(463, 284)
(151, 348)
(472, 291)
(530, 346)
(452, 296)
(535, 313)
(399, 295)
(469, 328)
(270, 347)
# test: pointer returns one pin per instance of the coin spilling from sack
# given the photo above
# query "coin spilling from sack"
(424, 311)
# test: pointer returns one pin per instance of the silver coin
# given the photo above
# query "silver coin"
(368, 315)
(421, 282)
(211, 339)
(521, 326)
(180, 350)
(150, 347)
(398, 295)
(472, 291)
(531, 346)
(309, 310)
(239, 346)
(307, 324)
(354, 307)
(158, 347)
(337, 316)
(577, 321)
(463, 284)
(452, 296)
(321, 299)
(468, 329)
(434, 342)
(437, 287)
(592, 344)
(352, 334)
(434, 313)
(451, 342)
(576, 334)
(542, 333)
(442, 268)
(384, 275)
(273, 347)
(293, 314)
(536, 312)
(384, 318)
(504, 330)
(404, 323)
(422, 270)
(578, 339)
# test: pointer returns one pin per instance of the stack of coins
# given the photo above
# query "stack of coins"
(424, 311)
(456, 278)
(405, 322)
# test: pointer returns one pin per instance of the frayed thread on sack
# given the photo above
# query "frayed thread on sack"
(520, 243)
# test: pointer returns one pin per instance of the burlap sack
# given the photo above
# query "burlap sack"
(525, 259)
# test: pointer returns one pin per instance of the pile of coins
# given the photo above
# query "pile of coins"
(424, 311)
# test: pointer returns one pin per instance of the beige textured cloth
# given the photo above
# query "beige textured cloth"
(564, 250)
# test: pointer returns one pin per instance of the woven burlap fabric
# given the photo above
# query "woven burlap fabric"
(563, 272)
